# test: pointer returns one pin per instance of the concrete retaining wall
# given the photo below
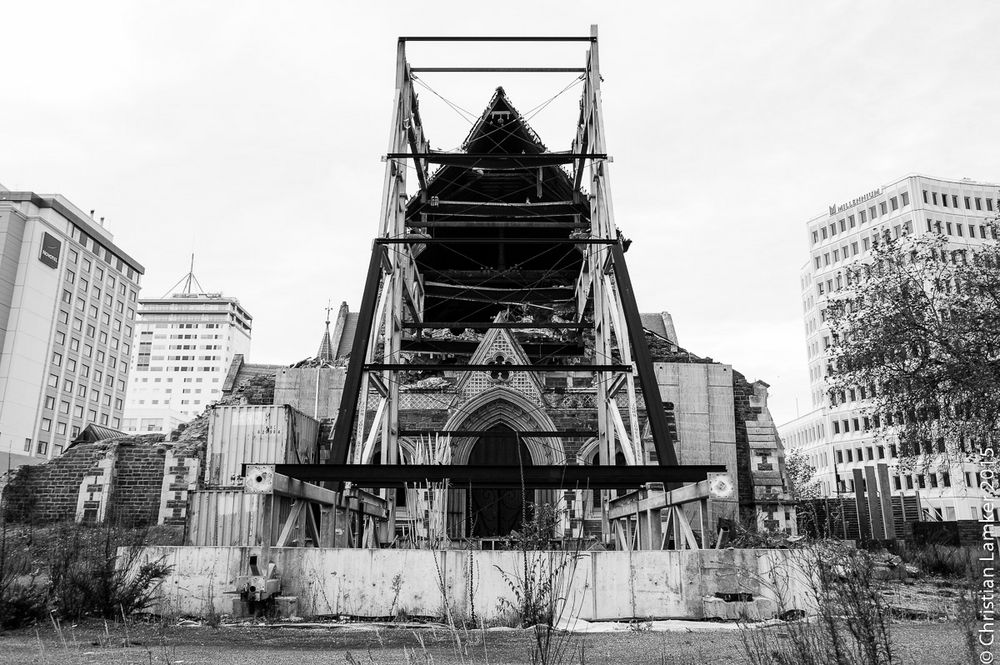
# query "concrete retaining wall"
(380, 583)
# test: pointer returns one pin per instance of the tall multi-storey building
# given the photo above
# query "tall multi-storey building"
(835, 434)
(184, 346)
(67, 308)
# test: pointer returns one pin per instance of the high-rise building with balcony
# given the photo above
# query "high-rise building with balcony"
(68, 298)
(836, 436)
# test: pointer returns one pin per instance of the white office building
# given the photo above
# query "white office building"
(184, 346)
(836, 436)
(67, 309)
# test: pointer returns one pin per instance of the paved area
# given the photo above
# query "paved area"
(919, 643)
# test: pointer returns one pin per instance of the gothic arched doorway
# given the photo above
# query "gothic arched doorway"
(496, 512)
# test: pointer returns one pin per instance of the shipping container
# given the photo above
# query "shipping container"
(229, 517)
(256, 434)
(232, 517)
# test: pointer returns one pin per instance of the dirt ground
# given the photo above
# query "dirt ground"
(918, 643)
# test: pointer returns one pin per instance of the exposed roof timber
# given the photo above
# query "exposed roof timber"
(461, 346)
(492, 367)
(499, 476)
(420, 240)
(503, 325)
(509, 434)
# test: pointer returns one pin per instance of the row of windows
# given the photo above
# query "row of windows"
(101, 252)
(88, 349)
(916, 481)
(871, 214)
(170, 379)
(81, 392)
(848, 251)
(852, 454)
(956, 230)
(933, 198)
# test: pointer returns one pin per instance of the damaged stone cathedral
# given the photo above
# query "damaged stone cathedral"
(498, 312)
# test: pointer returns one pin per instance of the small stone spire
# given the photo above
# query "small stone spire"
(325, 354)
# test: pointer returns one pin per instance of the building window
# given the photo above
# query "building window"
(872, 213)
(954, 200)
(979, 203)
(882, 208)
(906, 198)
(925, 197)
(894, 202)
(989, 204)
(944, 200)
(46, 425)
(968, 203)
(934, 197)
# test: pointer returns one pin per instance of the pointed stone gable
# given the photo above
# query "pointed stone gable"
(500, 346)
(325, 353)
(501, 128)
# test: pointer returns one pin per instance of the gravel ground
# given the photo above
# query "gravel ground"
(918, 643)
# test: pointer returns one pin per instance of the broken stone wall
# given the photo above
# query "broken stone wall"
(123, 480)
(49, 492)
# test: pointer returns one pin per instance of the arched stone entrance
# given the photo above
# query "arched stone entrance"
(496, 512)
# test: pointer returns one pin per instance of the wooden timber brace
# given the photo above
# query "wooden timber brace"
(651, 519)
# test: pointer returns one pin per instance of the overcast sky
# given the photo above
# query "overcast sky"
(250, 133)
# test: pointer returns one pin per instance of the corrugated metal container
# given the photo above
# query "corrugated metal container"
(231, 517)
(256, 434)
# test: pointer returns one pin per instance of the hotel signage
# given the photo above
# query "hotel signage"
(51, 246)
(853, 202)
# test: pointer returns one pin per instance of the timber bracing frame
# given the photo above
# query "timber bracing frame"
(394, 289)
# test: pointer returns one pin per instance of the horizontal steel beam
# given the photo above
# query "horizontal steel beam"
(492, 367)
(499, 476)
(501, 209)
(533, 222)
(500, 158)
(261, 479)
(496, 39)
(416, 240)
(512, 70)
(569, 433)
(502, 325)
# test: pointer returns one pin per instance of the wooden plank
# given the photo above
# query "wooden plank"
(616, 418)
(633, 501)
(290, 523)
(885, 496)
(369, 447)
